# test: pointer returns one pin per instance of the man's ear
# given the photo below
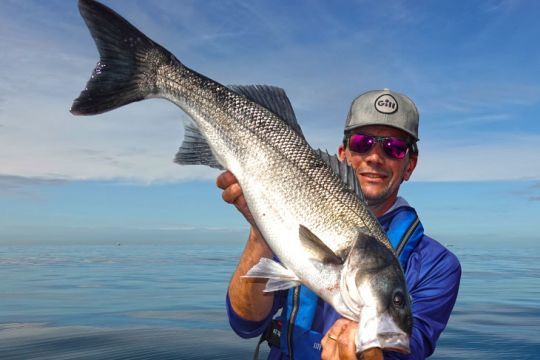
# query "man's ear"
(411, 165)
(341, 152)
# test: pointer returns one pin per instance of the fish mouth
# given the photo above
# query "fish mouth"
(395, 341)
(381, 331)
(392, 341)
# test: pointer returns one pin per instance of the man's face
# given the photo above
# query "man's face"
(379, 175)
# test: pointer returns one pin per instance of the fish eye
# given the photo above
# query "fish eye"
(398, 299)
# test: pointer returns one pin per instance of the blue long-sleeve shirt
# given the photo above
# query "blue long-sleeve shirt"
(432, 274)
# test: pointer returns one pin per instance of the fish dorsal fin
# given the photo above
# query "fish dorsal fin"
(272, 98)
(345, 172)
(317, 249)
(195, 149)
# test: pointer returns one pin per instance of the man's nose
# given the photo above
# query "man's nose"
(375, 154)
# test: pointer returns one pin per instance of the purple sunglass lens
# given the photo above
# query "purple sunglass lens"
(361, 143)
(395, 147)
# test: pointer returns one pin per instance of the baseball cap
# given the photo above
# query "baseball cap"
(384, 107)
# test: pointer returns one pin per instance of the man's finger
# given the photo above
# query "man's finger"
(346, 341)
(330, 340)
(232, 193)
(225, 179)
(329, 346)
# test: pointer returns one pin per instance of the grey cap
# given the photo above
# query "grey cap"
(384, 107)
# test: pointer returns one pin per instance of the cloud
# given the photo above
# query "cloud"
(533, 192)
(245, 42)
(17, 182)
(443, 160)
(499, 5)
(23, 187)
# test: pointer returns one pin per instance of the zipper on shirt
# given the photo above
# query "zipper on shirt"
(292, 319)
(406, 236)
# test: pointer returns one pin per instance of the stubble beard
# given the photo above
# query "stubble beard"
(378, 198)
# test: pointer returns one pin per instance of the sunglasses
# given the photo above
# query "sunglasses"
(394, 147)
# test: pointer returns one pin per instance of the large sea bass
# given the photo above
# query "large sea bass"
(322, 232)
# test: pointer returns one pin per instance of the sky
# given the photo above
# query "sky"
(472, 67)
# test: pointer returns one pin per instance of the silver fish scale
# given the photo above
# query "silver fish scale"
(271, 156)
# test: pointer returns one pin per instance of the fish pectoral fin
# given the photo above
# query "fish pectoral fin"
(195, 149)
(276, 285)
(317, 248)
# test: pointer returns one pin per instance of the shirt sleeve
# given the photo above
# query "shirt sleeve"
(433, 275)
(247, 328)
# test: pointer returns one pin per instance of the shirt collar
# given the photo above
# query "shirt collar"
(400, 202)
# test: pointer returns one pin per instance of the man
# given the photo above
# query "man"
(379, 142)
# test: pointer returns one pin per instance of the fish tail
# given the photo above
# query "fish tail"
(126, 71)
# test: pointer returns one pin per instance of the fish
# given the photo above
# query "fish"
(320, 229)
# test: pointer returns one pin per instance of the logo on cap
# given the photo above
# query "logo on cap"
(386, 104)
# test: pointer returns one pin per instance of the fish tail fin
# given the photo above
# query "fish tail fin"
(123, 74)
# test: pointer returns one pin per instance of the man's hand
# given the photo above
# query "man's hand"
(232, 194)
(339, 343)
(247, 296)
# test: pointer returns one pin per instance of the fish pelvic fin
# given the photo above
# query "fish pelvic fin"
(124, 72)
(279, 277)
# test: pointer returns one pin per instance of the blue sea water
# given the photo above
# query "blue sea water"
(163, 301)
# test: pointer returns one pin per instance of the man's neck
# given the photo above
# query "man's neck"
(379, 209)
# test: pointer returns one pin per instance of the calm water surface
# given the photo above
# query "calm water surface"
(167, 302)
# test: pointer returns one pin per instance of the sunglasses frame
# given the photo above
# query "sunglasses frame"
(380, 140)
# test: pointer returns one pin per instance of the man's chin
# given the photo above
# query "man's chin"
(372, 198)
(374, 194)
